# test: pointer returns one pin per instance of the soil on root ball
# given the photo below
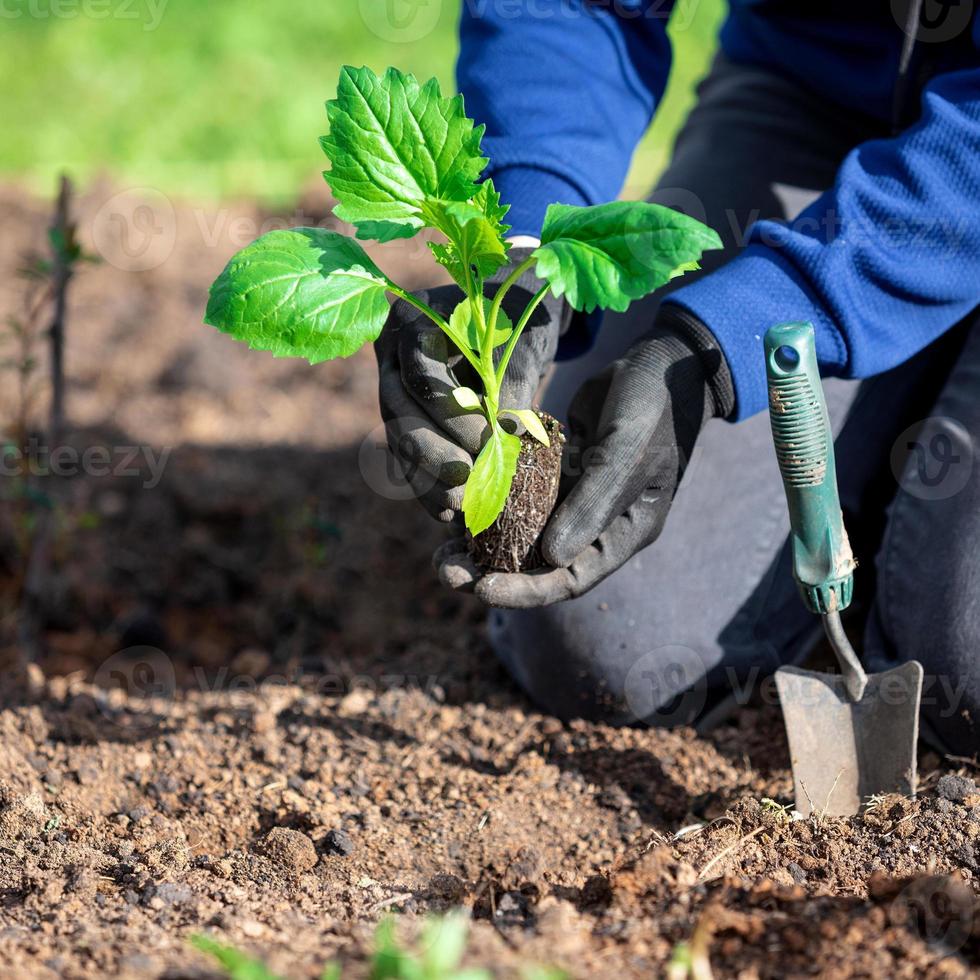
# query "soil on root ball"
(510, 544)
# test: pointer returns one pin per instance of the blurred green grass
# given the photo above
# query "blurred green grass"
(225, 98)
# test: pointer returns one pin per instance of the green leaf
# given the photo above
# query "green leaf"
(610, 254)
(489, 481)
(238, 965)
(467, 398)
(465, 329)
(444, 942)
(531, 422)
(475, 232)
(331, 971)
(305, 292)
(393, 145)
(388, 957)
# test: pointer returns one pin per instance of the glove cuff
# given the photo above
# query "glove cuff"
(717, 376)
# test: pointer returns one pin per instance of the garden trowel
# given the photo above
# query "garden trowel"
(852, 736)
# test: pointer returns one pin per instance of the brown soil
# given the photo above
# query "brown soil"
(510, 544)
(258, 716)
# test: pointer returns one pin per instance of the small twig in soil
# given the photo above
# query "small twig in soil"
(728, 850)
(498, 928)
(692, 828)
(809, 799)
(908, 816)
(640, 849)
(388, 902)
(965, 759)
(655, 838)
(826, 805)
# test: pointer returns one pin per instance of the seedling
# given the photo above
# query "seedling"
(404, 158)
(441, 947)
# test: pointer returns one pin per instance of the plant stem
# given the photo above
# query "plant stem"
(62, 271)
(498, 298)
(437, 320)
(36, 584)
(518, 330)
(491, 387)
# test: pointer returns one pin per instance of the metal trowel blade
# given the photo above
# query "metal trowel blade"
(845, 752)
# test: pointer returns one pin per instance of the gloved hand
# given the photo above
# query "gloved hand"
(632, 430)
(433, 440)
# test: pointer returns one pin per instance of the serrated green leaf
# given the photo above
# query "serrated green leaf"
(306, 292)
(465, 329)
(489, 481)
(393, 145)
(691, 266)
(475, 231)
(531, 422)
(611, 254)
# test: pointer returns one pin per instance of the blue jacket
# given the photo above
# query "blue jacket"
(898, 267)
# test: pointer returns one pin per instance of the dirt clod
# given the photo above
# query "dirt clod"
(338, 842)
(167, 857)
(290, 849)
(956, 788)
(22, 815)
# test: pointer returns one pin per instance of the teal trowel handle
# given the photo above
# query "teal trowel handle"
(822, 561)
(823, 564)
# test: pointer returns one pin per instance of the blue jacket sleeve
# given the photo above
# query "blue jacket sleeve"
(566, 89)
(881, 264)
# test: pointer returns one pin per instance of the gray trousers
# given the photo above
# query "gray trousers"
(711, 607)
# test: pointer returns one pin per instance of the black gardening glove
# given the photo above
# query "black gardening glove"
(434, 440)
(632, 430)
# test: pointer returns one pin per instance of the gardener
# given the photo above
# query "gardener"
(838, 155)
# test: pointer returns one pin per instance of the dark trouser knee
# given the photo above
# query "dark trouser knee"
(928, 601)
(581, 669)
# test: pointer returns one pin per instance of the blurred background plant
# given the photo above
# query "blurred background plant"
(437, 956)
(225, 98)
